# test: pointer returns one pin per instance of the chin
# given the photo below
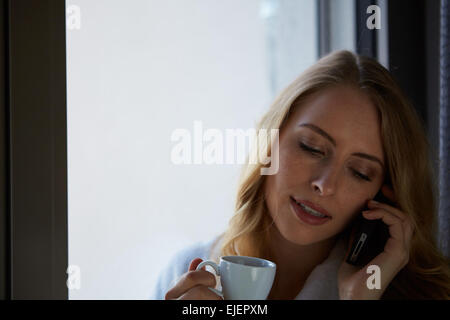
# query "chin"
(305, 239)
(302, 234)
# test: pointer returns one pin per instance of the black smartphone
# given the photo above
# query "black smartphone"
(368, 237)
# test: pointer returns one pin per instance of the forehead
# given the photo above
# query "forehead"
(345, 113)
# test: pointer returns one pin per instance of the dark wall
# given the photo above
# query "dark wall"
(407, 50)
(414, 61)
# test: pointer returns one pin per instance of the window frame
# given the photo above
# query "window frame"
(33, 146)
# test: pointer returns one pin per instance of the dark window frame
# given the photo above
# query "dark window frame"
(4, 147)
(33, 147)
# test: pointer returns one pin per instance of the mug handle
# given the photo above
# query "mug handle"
(216, 269)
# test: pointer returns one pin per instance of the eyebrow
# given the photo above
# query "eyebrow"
(328, 137)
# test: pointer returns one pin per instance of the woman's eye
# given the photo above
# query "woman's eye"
(316, 152)
(359, 175)
(309, 149)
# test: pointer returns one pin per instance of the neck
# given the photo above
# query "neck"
(294, 263)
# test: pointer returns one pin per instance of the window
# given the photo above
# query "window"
(136, 72)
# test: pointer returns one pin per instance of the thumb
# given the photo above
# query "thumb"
(195, 263)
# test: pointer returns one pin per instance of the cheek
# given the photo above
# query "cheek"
(349, 211)
(270, 195)
(293, 169)
(275, 195)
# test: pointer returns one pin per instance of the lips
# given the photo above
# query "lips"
(307, 217)
(313, 206)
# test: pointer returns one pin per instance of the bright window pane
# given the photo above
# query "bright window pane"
(137, 71)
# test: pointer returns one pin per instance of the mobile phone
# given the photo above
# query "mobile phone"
(368, 237)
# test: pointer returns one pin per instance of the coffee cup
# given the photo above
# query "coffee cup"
(242, 277)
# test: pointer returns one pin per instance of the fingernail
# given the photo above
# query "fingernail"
(374, 202)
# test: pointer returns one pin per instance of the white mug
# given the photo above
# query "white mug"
(243, 278)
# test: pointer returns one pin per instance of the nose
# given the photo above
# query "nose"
(324, 183)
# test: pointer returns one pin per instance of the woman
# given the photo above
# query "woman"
(346, 131)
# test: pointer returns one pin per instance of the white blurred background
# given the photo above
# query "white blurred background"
(138, 70)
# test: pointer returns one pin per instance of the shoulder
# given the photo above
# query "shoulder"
(179, 264)
(181, 259)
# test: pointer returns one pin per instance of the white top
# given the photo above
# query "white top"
(321, 284)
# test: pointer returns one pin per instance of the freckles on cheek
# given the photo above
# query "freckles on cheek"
(292, 172)
(288, 161)
(348, 215)
(284, 179)
(356, 201)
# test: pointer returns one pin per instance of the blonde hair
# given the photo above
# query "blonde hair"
(427, 274)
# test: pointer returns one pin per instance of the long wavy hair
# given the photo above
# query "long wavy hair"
(427, 274)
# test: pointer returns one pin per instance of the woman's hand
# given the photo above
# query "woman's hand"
(193, 285)
(353, 280)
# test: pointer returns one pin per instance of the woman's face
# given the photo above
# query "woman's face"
(331, 157)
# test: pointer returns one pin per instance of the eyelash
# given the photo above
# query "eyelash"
(315, 152)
